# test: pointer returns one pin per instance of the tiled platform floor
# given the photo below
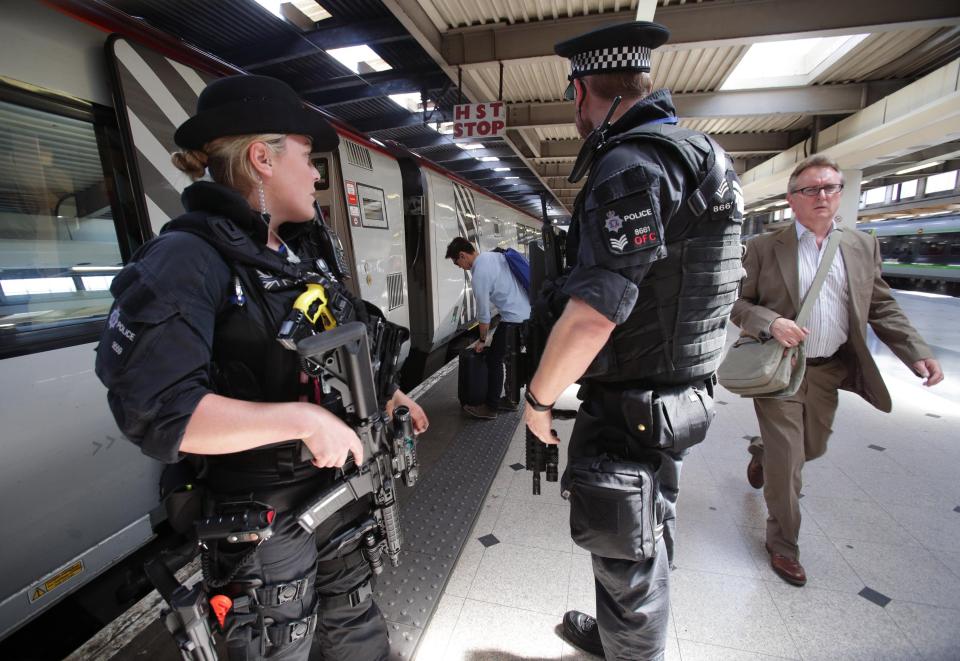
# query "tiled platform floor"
(885, 518)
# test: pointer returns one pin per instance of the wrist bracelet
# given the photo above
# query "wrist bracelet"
(535, 403)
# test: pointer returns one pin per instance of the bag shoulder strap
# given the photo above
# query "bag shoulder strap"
(833, 242)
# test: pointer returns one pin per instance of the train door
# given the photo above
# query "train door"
(420, 285)
(372, 188)
(333, 205)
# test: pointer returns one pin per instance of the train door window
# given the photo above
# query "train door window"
(59, 247)
(373, 208)
(322, 164)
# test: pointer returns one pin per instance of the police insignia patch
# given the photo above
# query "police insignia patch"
(614, 222)
(631, 225)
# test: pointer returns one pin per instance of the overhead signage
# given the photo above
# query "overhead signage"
(479, 120)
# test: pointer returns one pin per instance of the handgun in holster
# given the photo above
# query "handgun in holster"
(389, 448)
(188, 616)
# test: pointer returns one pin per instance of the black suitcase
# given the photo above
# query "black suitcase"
(472, 378)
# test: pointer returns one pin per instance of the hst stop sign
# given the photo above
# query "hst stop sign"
(479, 120)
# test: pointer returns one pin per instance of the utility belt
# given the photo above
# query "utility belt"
(258, 619)
(672, 418)
(260, 468)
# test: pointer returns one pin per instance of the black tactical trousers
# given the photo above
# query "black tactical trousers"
(308, 609)
(633, 598)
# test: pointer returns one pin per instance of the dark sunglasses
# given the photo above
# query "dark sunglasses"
(570, 93)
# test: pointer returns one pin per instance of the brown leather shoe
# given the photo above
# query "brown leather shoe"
(788, 569)
(755, 467)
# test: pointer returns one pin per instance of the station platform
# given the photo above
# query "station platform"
(880, 537)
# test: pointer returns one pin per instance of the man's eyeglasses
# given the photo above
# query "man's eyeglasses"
(814, 191)
(570, 94)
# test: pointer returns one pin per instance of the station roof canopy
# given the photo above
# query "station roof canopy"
(719, 63)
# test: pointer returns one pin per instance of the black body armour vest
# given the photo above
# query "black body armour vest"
(248, 361)
(676, 331)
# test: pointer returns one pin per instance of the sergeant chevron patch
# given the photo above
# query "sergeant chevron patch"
(631, 226)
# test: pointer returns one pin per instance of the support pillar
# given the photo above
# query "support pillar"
(850, 199)
(645, 9)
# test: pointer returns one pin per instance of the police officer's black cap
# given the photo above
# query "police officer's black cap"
(245, 105)
(616, 48)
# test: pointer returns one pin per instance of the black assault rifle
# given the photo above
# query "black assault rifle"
(539, 456)
(389, 448)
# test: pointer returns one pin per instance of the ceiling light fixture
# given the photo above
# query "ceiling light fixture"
(922, 166)
(359, 59)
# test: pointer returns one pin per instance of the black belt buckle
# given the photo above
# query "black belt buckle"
(361, 593)
(301, 628)
(291, 591)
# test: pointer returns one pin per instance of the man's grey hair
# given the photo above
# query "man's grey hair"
(814, 161)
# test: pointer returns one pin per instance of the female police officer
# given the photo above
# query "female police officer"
(193, 368)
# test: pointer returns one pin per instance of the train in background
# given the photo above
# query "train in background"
(86, 126)
(921, 254)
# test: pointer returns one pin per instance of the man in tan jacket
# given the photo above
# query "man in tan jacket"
(780, 268)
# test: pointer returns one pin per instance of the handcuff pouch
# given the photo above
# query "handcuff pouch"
(672, 418)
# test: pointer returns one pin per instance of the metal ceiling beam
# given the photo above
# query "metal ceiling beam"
(733, 143)
(815, 100)
(416, 21)
(704, 25)
(353, 88)
(921, 116)
(287, 48)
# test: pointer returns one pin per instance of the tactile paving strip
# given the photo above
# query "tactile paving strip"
(436, 520)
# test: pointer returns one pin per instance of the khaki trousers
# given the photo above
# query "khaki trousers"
(795, 430)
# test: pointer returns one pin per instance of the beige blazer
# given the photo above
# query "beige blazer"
(770, 289)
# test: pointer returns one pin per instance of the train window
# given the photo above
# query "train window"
(59, 248)
(373, 209)
(954, 248)
(932, 248)
(945, 181)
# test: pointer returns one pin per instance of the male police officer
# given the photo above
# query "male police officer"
(654, 257)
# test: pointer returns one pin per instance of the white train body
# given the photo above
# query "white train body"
(80, 497)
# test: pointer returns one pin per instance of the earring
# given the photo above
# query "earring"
(263, 199)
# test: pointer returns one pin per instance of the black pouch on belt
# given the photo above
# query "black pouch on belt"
(670, 418)
(613, 507)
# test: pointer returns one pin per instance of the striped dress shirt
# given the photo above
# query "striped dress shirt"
(829, 320)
